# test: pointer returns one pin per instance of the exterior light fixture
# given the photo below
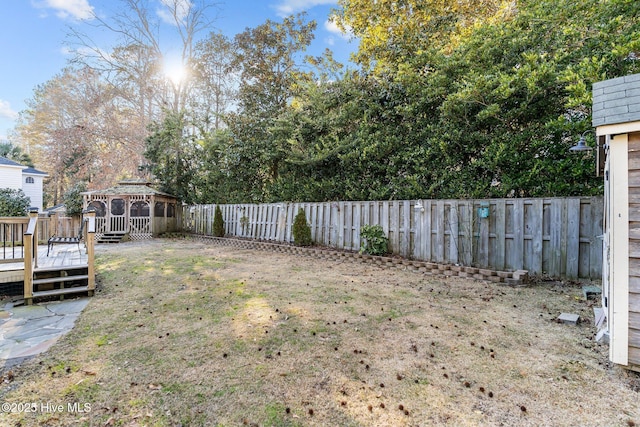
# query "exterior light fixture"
(601, 150)
(581, 146)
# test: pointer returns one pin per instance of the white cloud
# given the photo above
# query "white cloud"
(331, 27)
(6, 111)
(180, 7)
(288, 7)
(76, 9)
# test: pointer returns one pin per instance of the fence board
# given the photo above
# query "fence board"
(535, 229)
(572, 240)
(405, 238)
(500, 208)
(555, 236)
(426, 228)
(597, 237)
(454, 231)
(482, 240)
(517, 253)
(439, 243)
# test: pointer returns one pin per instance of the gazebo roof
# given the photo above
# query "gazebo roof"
(130, 187)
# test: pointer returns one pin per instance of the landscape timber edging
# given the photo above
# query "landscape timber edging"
(515, 278)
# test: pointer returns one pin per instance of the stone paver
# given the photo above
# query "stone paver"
(29, 330)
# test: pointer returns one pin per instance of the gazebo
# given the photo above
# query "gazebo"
(132, 208)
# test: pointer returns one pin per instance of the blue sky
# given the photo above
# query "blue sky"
(33, 36)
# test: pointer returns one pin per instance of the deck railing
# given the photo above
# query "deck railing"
(30, 254)
(29, 248)
(12, 230)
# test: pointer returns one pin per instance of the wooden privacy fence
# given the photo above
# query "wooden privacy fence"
(559, 237)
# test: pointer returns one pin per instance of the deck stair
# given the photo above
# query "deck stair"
(112, 237)
(63, 280)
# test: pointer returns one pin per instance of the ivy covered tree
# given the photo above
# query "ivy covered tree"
(72, 199)
(172, 151)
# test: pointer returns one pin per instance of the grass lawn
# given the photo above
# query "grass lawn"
(184, 333)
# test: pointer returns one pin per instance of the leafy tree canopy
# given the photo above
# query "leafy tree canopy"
(15, 153)
(72, 199)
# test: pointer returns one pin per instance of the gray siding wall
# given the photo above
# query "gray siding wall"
(616, 101)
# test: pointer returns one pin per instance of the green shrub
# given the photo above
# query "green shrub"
(218, 223)
(13, 202)
(72, 199)
(301, 230)
(373, 240)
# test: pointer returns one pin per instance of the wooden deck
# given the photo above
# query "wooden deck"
(60, 256)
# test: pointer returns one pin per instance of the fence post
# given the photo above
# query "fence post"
(90, 231)
(29, 257)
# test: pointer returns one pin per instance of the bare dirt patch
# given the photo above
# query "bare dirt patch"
(188, 333)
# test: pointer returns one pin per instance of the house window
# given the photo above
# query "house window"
(117, 207)
(139, 209)
(99, 207)
(158, 211)
(171, 210)
(30, 180)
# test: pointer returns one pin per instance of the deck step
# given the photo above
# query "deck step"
(60, 279)
(60, 268)
(112, 237)
(64, 291)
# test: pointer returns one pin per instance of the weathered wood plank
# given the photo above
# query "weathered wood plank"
(572, 254)
(534, 228)
(634, 337)
(394, 226)
(418, 249)
(500, 240)
(634, 248)
(597, 237)
(483, 234)
(634, 320)
(454, 230)
(405, 239)
(384, 217)
(291, 213)
(334, 224)
(634, 302)
(359, 208)
(428, 231)
(634, 282)
(634, 161)
(439, 231)
(634, 211)
(517, 254)
(634, 356)
(634, 178)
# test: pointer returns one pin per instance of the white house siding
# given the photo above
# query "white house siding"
(33, 190)
(11, 176)
(15, 176)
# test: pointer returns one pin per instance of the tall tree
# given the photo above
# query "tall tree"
(391, 31)
(269, 60)
(15, 153)
(172, 153)
(139, 68)
(62, 128)
(215, 80)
